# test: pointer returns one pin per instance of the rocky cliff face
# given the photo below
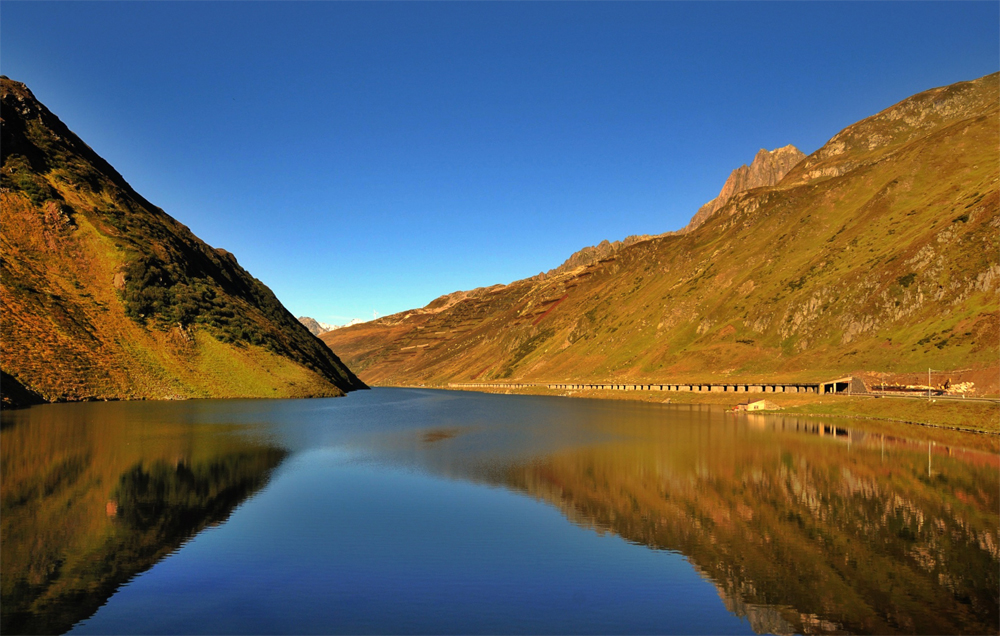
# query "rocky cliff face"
(315, 327)
(594, 253)
(105, 296)
(766, 169)
(877, 252)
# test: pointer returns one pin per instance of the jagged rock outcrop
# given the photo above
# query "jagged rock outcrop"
(594, 253)
(314, 326)
(766, 169)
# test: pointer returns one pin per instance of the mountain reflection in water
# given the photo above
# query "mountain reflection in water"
(89, 503)
(801, 525)
(826, 536)
(804, 526)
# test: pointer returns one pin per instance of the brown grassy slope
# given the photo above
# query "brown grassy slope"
(106, 296)
(877, 252)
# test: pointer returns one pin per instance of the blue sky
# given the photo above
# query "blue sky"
(361, 157)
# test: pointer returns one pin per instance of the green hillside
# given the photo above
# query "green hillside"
(105, 296)
(878, 252)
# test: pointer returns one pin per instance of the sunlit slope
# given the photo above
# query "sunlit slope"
(106, 296)
(877, 252)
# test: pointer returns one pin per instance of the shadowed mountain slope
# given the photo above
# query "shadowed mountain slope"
(106, 296)
(878, 251)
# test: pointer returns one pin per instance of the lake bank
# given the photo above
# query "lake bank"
(420, 510)
(945, 415)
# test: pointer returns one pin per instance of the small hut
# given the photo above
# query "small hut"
(759, 405)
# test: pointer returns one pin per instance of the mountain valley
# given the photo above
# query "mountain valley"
(878, 253)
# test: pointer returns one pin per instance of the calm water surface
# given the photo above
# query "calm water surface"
(419, 511)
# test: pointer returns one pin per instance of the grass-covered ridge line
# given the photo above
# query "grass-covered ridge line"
(106, 296)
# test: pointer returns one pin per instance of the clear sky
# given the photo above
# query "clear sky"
(361, 157)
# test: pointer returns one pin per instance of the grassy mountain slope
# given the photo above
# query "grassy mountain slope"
(767, 169)
(106, 296)
(877, 252)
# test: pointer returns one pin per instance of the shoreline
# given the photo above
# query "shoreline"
(973, 416)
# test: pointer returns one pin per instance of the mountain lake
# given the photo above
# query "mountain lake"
(430, 511)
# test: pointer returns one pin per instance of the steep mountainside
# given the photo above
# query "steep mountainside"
(107, 297)
(767, 169)
(878, 252)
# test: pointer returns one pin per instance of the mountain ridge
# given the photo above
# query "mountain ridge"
(871, 253)
(314, 326)
(108, 297)
(766, 169)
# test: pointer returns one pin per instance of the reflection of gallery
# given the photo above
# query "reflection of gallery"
(860, 437)
(829, 503)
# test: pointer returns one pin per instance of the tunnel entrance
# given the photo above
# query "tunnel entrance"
(842, 385)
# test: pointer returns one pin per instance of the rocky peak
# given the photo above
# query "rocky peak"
(594, 253)
(314, 326)
(766, 169)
